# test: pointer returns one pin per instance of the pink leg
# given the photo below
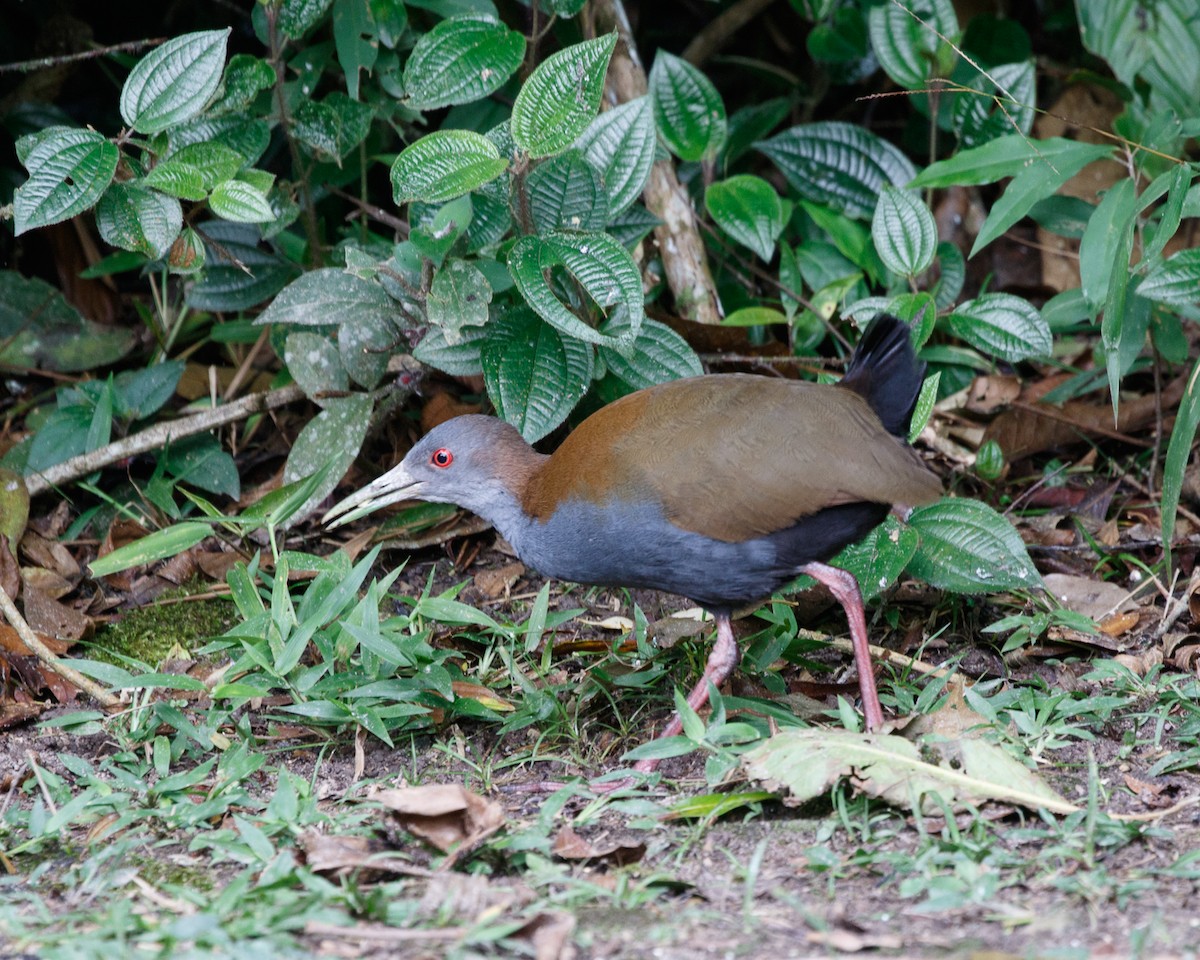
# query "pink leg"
(721, 661)
(845, 590)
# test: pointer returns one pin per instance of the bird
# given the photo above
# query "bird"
(722, 488)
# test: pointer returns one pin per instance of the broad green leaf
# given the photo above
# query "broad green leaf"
(851, 238)
(174, 82)
(876, 561)
(1007, 157)
(904, 232)
(330, 442)
(40, 330)
(1179, 452)
(328, 296)
(838, 164)
(929, 776)
(620, 144)
(240, 202)
(561, 97)
(911, 52)
(601, 266)
(443, 165)
(1103, 239)
(213, 162)
(245, 78)
(749, 210)
(179, 180)
(688, 110)
(435, 230)
(314, 364)
(953, 269)
(139, 393)
(924, 407)
(201, 462)
(1004, 326)
(1005, 101)
(458, 297)
(334, 126)
(69, 170)
(62, 435)
(14, 506)
(1157, 44)
(248, 136)
(1123, 325)
(356, 39)
(460, 359)
(1175, 281)
(565, 193)
(239, 274)
(754, 317)
(460, 60)
(133, 218)
(632, 225)
(534, 374)
(365, 342)
(167, 542)
(1177, 180)
(297, 17)
(659, 354)
(1041, 178)
(966, 547)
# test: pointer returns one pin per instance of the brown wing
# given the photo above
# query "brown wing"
(737, 456)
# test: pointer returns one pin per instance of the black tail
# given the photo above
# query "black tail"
(886, 373)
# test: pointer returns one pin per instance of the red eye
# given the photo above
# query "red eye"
(441, 457)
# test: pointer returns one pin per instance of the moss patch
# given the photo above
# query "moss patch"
(154, 633)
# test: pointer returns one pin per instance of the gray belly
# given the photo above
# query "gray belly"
(638, 547)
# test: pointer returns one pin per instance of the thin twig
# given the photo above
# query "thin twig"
(50, 658)
(720, 30)
(159, 435)
(42, 63)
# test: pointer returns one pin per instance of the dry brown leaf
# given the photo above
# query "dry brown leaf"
(550, 935)
(1087, 595)
(49, 582)
(854, 941)
(990, 393)
(11, 643)
(1150, 794)
(1142, 663)
(569, 845)
(499, 581)
(480, 694)
(445, 815)
(216, 563)
(10, 573)
(1029, 429)
(1182, 651)
(50, 554)
(13, 713)
(1119, 623)
(47, 616)
(340, 854)
(179, 569)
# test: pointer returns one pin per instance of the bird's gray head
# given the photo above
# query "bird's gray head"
(477, 462)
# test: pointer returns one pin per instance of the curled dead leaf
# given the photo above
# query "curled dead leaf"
(499, 581)
(341, 854)
(447, 816)
(569, 845)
